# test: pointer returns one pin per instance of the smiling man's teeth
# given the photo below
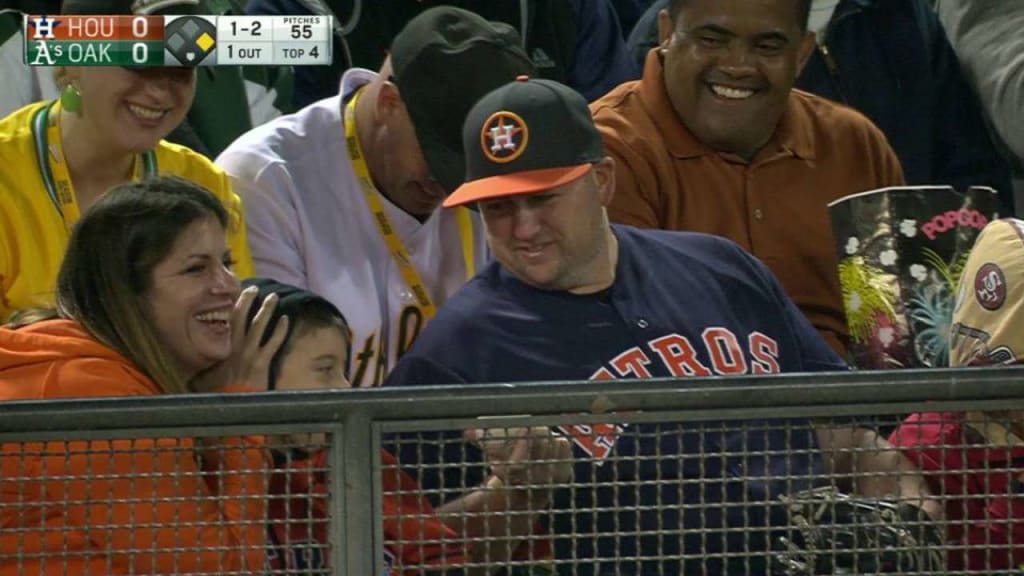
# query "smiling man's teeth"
(731, 93)
(147, 113)
(222, 316)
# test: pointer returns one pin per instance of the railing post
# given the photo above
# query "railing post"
(353, 551)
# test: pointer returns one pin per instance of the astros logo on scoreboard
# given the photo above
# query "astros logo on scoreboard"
(43, 28)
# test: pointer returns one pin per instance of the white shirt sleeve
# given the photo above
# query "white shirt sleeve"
(19, 83)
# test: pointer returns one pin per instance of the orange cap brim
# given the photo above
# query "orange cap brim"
(514, 184)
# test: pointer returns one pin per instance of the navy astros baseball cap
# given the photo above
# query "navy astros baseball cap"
(443, 61)
(527, 136)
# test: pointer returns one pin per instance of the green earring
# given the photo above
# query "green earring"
(71, 99)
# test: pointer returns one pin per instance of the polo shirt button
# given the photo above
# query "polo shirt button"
(642, 323)
(758, 214)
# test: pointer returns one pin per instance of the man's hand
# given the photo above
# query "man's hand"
(525, 457)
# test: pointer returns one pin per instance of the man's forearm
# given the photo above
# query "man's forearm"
(861, 460)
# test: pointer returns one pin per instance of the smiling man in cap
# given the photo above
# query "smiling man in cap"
(343, 197)
(571, 297)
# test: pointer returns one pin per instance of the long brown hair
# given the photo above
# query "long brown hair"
(108, 266)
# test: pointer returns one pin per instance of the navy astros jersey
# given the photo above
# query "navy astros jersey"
(682, 304)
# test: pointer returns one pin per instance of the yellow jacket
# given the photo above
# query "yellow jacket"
(33, 236)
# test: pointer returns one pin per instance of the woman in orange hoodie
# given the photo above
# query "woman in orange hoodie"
(147, 304)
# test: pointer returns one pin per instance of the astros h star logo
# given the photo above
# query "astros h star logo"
(504, 137)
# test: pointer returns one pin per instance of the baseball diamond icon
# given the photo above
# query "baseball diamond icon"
(190, 39)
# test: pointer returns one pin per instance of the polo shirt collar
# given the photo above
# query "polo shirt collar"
(793, 135)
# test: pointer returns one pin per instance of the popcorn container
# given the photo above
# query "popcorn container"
(901, 252)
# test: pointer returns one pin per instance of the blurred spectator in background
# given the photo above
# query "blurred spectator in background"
(986, 36)
(714, 140)
(891, 61)
(629, 12)
(145, 306)
(22, 84)
(59, 157)
(578, 42)
(362, 226)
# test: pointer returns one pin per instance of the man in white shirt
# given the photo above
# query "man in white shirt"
(343, 197)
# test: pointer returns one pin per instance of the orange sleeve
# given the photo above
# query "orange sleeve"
(141, 506)
(636, 201)
(411, 526)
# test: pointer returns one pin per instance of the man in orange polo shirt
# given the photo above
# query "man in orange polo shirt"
(715, 139)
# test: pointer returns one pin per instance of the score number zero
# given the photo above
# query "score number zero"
(140, 29)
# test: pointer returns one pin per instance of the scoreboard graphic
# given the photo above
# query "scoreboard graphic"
(137, 41)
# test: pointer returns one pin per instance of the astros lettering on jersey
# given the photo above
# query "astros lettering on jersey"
(711, 309)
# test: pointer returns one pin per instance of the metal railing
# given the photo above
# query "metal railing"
(351, 427)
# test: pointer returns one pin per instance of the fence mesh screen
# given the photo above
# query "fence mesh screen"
(566, 495)
(215, 505)
(785, 497)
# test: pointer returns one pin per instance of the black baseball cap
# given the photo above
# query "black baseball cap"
(527, 136)
(443, 61)
(131, 7)
(291, 299)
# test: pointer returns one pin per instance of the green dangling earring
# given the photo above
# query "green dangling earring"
(71, 99)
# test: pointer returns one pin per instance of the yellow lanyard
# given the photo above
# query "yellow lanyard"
(387, 231)
(54, 168)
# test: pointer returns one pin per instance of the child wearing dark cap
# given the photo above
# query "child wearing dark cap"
(316, 349)
(314, 356)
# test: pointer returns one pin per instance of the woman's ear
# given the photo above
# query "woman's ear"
(65, 75)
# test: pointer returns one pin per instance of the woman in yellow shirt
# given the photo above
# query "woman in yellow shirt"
(57, 158)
